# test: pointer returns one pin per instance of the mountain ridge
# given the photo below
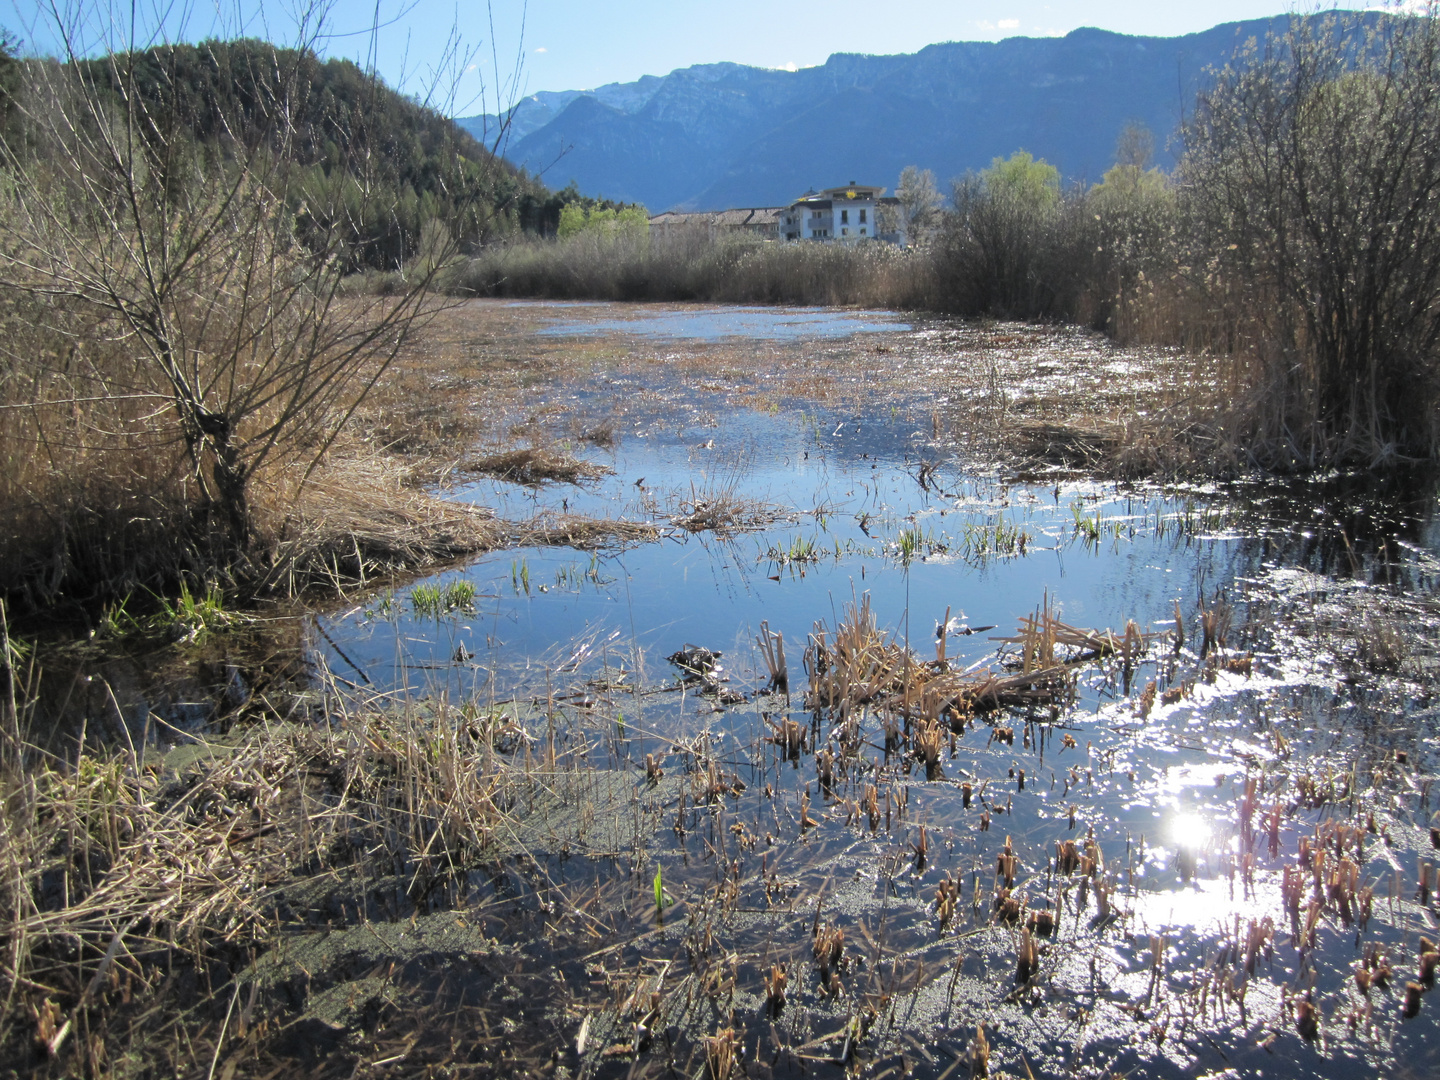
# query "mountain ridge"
(724, 134)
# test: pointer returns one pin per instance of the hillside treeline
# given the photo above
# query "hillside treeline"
(1295, 252)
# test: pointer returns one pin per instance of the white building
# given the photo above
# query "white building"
(847, 214)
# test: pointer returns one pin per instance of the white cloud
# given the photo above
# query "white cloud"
(542, 49)
(792, 66)
(1009, 24)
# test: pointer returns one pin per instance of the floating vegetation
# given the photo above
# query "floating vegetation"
(717, 508)
(858, 665)
(914, 542)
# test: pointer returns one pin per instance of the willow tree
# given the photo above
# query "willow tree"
(201, 259)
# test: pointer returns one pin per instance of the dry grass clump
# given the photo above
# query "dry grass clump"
(1066, 445)
(719, 509)
(858, 665)
(130, 892)
(95, 499)
(536, 465)
(358, 519)
(100, 497)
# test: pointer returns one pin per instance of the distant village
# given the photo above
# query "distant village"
(844, 215)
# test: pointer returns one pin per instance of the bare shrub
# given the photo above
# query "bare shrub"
(1310, 175)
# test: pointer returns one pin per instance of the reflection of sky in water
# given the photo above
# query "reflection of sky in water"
(847, 485)
(712, 324)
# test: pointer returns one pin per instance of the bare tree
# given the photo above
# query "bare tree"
(213, 268)
(919, 200)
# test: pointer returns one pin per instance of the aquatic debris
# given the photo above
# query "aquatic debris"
(787, 734)
(1105, 910)
(775, 989)
(719, 511)
(829, 951)
(980, 1053)
(720, 1054)
(806, 821)
(1429, 959)
(1027, 958)
(921, 848)
(1411, 1007)
(947, 897)
(1259, 937)
(772, 648)
(696, 661)
(857, 665)
(1214, 625)
(1006, 864)
(1146, 703)
(927, 740)
(1307, 1020)
(1007, 906)
(1067, 858)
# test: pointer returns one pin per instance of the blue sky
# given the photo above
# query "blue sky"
(579, 44)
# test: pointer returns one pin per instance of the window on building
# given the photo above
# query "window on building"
(862, 230)
(862, 218)
(844, 232)
(844, 217)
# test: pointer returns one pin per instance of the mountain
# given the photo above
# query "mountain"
(720, 135)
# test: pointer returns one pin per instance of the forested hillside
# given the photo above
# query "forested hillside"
(406, 164)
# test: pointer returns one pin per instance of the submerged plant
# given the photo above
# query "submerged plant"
(800, 550)
(432, 600)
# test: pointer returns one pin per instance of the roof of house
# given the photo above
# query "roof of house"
(738, 218)
(824, 199)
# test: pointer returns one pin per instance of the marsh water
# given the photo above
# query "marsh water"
(1250, 779)
(1319, 597)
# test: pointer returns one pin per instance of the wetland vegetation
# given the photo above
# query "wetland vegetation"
(596, 689)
